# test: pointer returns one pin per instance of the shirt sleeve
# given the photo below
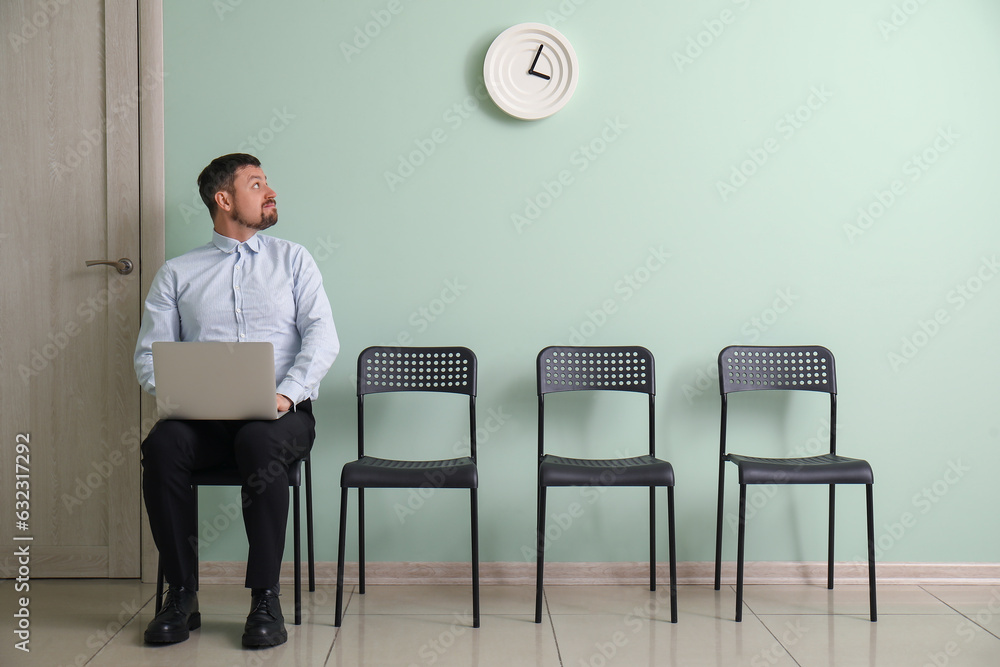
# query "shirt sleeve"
(160, 322)
(314, 321)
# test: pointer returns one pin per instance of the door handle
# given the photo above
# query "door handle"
(123, 265)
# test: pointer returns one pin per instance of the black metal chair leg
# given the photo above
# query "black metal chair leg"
(871, 553)
(309, 527)
(652, 538)
(475, 558)
(540, 553)
(829, 566)
(361, 541)
(297, 536)
(340, 557)
(672, 548)
(718, 526)
(739, 553)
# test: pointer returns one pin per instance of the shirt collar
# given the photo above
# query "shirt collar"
(228, 245)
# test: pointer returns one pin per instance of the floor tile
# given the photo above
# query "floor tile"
(843, 599)
(70, 620)
(217, 643)
(904, 640)
(447, 600)
(377, 639)
(640, 601)
(101, 623)
(596, 640)
(981, 604)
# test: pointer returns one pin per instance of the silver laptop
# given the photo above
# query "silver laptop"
(215, 380)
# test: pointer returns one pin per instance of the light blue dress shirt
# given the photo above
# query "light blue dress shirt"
(264, 289)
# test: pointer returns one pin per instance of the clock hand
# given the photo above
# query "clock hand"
(531, 70)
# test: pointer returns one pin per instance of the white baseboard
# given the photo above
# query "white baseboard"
(233, 572)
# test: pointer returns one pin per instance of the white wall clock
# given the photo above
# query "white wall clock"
(531, 71)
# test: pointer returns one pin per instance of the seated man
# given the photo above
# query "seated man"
(242, 286)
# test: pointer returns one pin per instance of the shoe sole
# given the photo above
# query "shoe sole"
(194, 622)
(257, 642)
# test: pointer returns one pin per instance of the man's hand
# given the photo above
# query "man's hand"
(284, 403)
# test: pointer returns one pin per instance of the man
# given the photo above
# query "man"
(243, 286)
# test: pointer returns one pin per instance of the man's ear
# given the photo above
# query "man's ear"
(223, 200)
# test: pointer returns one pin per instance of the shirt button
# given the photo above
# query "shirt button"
(239, 310)
(243, 335)
(237, 268)
(236, 287)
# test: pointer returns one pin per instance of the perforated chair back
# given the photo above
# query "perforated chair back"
(442, 369)
(626, 368)
(747, 368)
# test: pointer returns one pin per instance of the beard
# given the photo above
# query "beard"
(264, 221)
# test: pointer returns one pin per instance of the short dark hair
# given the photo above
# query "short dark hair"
(219, 175)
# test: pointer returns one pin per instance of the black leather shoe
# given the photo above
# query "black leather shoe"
(265, 624)
(178, 616)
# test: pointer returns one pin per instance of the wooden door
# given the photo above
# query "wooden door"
(69, 191)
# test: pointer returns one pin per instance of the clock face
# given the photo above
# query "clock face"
(531, 71)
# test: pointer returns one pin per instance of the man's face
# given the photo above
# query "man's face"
(254, 203)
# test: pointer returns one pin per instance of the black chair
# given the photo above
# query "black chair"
(230, 476)
(563, 369)
(402, 369)
(805, 368)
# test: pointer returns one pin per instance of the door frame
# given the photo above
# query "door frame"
(152, 205)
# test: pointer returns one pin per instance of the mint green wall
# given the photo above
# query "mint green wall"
(885, 107)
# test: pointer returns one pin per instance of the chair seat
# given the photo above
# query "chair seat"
(824, 469)
(371, 472)
(637, 471)
(230, 476)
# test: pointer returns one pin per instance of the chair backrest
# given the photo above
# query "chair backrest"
(625, 368)
(750, 368)
(783, 368)
(619, 368)
(384, 369)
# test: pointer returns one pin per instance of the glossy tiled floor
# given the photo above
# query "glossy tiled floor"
(100, 623)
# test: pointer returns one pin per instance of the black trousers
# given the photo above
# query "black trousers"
(261, 450)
